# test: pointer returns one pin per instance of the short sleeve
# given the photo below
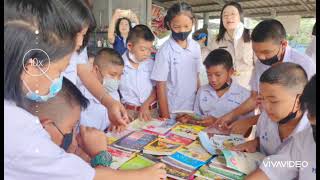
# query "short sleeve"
(271, 164)
(161, 66)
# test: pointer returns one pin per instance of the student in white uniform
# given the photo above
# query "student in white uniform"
(270, 46)
(177, 65)
(222, 94)
(29, 152)
(136, 87)
(280, 87)
(300, 148)
(108, 68)
(311, 50)
(233, 37)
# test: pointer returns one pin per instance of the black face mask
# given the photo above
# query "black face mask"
(226, 85)
(314, 128)
(271, 60)
(290, 116)
(67, 139)
(181, 36)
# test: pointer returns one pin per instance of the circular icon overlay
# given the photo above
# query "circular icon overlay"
(37, 62)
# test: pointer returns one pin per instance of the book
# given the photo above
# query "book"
(194, 115)
(119, 157)
(158, 126)
(161, 147)
(178, 139)
(243, 161)
(206, 174)
(172, 162)
(212, 143)
(177, 173)
(136, 125)
(134, 141)
(137, 162)
(187, 130)
(114, 136)
(226, 172)
(196, 151)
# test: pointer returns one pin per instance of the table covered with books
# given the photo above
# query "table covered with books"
(188, 151)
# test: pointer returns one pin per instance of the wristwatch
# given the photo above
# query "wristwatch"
(104, 158)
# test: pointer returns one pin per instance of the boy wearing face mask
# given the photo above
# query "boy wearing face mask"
(271, 47)
(222, 94)
(281, 117)
(300, 148)
(107, 68)
(136, 87)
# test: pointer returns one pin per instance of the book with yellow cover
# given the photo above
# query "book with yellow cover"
(161, 147)
(187, 130)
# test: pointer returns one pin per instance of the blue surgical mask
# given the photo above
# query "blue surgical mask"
(111, 85)
(55, 87)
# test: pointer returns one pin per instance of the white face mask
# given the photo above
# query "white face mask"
(133, 58)
(111, 85)
(237, 34)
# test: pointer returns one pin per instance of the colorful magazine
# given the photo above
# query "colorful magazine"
(177, 173)
(137, 162)
(196, 151)
(187, 130)
(205, 173)
(114, 136)
(159, 127)
(136, 125)
(119, 157)
(134, 141)
(178, 139)
(161, 147)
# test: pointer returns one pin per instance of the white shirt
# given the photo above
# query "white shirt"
(291, 55)
(179, 67)
(299, 148)
(311, 51)
(208, 103)
(135, 84)
(268, 133)
(96, 114)
(30, 154)
(71, 71)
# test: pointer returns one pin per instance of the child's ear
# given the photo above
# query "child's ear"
(129, 46)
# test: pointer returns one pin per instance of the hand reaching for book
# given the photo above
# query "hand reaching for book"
(239, 127)
(116, 128)
(250, 146)
(155, 172)
(184, 118)
(144, 113)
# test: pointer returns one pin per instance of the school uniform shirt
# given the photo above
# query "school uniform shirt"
(135, 84)
(71, 71)
(268, 133)
(179, 67)
(203, 71)
(29, 152)
(208, 103)
(301, 149)
(311, 49)
(242, 55)
(96, 114)
(291, 55)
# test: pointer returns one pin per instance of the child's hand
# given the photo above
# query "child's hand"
(93, 140)
(184, 118)
(118, 114)
(155, 172)
(250, 146)
(207, 121)
(116, 128)
(144, 113)
(239, 127)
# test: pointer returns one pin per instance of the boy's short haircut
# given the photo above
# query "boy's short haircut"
(140, 32)
(107, 56)
(219, 57)
(308, 97)
(289, 75)
(270, 29)
(60, 106)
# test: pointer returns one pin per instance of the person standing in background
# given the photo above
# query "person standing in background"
(311, 50)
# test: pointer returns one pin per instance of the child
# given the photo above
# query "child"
(281, 117)
(301, 147)
(136, 88)
(60, 117)
(270, 46)
(222, 94)
(107, 68)
(177, 63)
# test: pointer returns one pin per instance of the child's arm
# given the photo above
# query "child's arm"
(144, 110)
(117, 113)
(249, 146)
(162, 97)
(242, 126)
(257, 174)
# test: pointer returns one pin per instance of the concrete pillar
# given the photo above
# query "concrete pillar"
(205, 18)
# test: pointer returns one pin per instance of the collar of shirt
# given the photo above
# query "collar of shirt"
(175, 46)
(303, 123)
(230, 91)
(127, 63)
